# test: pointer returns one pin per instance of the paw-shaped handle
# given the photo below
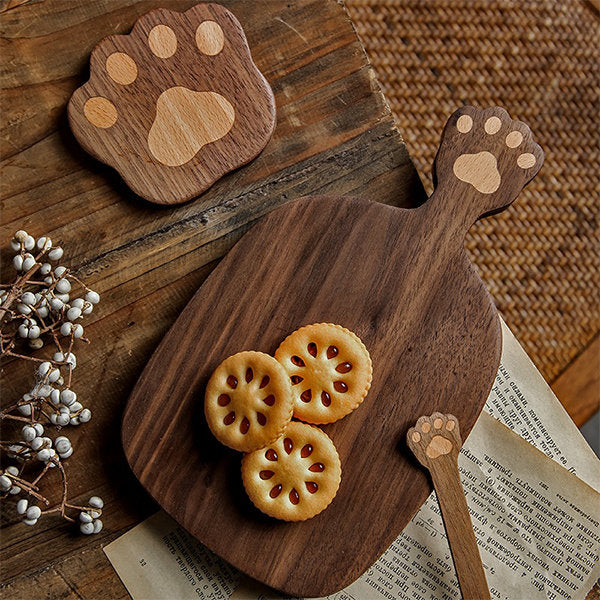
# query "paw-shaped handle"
(435, 437)
(485, 158)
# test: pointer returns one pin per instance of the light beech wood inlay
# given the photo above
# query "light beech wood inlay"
(100, 112)
(210, 38)
(186, 121)
(162, 41)
(121, 68)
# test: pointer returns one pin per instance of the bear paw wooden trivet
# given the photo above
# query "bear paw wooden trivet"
(402, 282)
(175, 104)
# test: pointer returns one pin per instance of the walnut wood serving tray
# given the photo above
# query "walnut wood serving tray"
(401, 280)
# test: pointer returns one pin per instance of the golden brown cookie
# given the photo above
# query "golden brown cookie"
(330, 370)
(296, 477)
(248, 401)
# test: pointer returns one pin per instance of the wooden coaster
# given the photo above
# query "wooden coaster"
(175, 104)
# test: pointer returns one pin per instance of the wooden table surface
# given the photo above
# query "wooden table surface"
(334, 135)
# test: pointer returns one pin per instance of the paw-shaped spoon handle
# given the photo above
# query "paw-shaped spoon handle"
(484, 160)
(435, 441)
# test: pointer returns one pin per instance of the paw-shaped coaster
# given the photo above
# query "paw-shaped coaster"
(435, 437)
(486, 154)
(175, 104)
(295, 477)
(330, 370)
(248, 401)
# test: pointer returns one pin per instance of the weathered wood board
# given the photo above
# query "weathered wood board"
(335, 135)
(401, 280)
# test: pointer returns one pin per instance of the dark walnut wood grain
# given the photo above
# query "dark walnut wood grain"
(401, 280)
(335, 135)
(175, 104)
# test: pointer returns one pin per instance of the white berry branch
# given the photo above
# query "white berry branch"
(38, 307)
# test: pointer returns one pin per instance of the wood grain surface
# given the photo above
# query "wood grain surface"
(334, 135)
(436, 442)
(175, 104)
(399, 279)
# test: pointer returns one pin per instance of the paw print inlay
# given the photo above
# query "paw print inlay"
(481, 169)
(490, 152)
(175, 104)
(434, 437)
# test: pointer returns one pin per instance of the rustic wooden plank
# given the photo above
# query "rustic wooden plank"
(578, 386)
(334, 135)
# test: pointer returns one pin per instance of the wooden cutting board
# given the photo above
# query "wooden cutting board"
(400, 279)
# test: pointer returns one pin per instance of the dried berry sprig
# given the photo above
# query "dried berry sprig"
(36, 308)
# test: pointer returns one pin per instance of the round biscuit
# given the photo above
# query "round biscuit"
(248, 401)
(296, 477)
(330, 370)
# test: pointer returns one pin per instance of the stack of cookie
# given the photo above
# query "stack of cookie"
(322, 372)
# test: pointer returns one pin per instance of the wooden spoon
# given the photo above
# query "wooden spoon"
(435, 441)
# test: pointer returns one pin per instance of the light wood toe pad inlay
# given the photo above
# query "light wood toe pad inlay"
(100, 112)
(210, 38)
(162, 41)
(121, 68)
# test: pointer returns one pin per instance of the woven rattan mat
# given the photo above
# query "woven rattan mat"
(538, 59)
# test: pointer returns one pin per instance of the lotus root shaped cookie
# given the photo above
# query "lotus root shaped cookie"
(330, 370)
(295, 477)
(175, 104)
(248, 401)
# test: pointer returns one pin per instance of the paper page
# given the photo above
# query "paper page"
(515, 495)
(524, 402)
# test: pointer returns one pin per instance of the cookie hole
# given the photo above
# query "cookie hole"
(306, 451)
(294, 496)
(223, 400)
(288, 445)
(306, 396)
(332, 352)
(264, 382)
(325, 399)
(266, 474)
(317, 467)
(296, 379)
(269, 400)
(232, 382)
(275, 491)
(271, 455)
(311, 486)
(244, 426)
(229, 418)
(262, 420)
(249, 375)
(340, 386)
(312, 349)
(296, 360)
(344, 367)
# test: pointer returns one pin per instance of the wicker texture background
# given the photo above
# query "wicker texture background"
(539, 60)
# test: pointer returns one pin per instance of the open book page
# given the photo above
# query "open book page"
(534, 521)
(523, 401)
